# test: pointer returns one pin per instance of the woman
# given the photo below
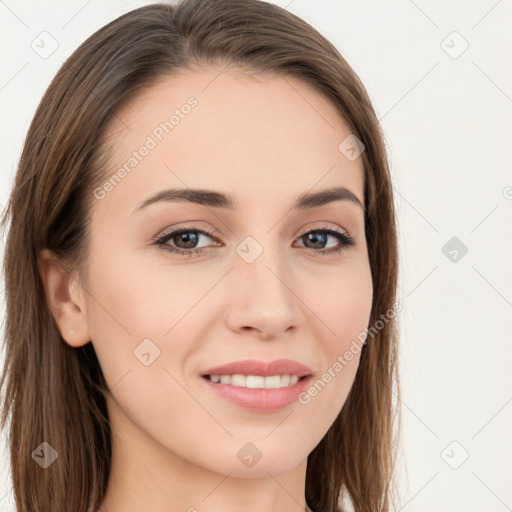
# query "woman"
(201, 274)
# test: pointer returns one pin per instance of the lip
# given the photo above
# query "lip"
(260, 399)
(262, 368)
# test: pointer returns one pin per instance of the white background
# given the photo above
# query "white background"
(448, 126)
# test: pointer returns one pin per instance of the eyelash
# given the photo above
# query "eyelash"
(345, 240)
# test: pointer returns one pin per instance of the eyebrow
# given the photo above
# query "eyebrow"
(215, 199)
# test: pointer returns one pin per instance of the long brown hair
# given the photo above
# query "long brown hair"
(55, 393)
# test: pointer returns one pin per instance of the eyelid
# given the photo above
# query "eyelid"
(207, 231)
(213, 233)
(327, 227)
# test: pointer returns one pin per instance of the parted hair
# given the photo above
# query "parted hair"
(56, 393)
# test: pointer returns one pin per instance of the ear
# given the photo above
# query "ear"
(65, 299)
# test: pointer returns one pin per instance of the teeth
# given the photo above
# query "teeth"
(256, 381)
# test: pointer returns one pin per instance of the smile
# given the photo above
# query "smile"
(256, 381)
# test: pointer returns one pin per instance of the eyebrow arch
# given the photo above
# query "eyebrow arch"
(220, 200)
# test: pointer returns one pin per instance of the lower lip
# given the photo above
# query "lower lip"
(259, 399)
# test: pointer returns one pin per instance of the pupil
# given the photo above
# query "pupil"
(314, 237)
(188, 239)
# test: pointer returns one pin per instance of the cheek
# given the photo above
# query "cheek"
(140, 313)
(343, 312)
(343, 305)
(122, 312)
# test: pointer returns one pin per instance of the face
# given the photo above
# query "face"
(259, 280)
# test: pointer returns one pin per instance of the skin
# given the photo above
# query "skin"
(264, 140)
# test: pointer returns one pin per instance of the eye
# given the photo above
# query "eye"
(320, 235)
(182, 237)
(185, 240)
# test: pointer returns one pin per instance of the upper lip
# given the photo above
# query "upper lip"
(262, 368)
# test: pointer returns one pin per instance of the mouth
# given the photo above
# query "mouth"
(258, 399)
(256, 381)
(260, 386)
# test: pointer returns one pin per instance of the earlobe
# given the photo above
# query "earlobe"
(64, 299)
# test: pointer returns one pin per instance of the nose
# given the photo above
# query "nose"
(262, 299)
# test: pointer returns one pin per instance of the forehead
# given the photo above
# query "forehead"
(256, 136)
